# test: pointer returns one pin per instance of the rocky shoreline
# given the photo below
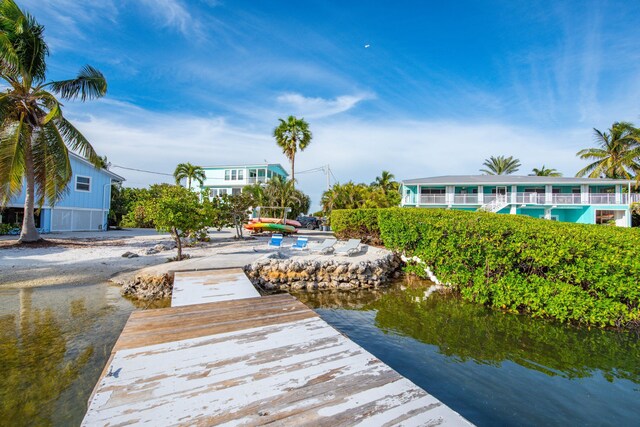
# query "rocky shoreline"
(275, 272)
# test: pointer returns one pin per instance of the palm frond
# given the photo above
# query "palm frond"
(76, 141)
(89, 84)
(52, 168)
(12, 161)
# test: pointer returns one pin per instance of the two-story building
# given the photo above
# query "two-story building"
(84, 207)
(231, 179)
(578, 200)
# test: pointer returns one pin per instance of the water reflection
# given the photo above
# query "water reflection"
(469, 332)
(53, 344)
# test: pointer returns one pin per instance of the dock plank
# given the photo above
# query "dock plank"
(194, 287)
(254, 361)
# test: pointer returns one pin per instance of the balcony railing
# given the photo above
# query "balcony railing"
(253, 180)
(525, 199)
(433, 199)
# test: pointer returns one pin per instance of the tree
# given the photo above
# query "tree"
(178, 211)
(234, 211)
(279, 193)
(386, 182)
(292, 135)
(500, 165)
(543, 171)
(189, 172)
(616, 154)
(35, 137)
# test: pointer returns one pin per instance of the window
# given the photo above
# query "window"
(269, 174)
(83, 183)
(233, 175)
(227, 175)
(222, 191)
(241, 174)
(213, 192)
(605, 217)
(432, 191)
(236, 191)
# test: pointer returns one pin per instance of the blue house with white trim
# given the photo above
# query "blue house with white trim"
(566, 199)
(84, 207)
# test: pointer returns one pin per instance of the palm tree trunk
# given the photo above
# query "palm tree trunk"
(29, 232)
(189, 182)
(293, 169)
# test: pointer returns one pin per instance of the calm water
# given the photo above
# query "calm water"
(54, 342)
(493, 368)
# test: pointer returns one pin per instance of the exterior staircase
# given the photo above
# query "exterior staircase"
(497, 204)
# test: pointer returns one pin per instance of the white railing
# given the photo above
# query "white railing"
(566, 199)
(604, 199)
(498, 202)
(465, 199)
(409, 200)
(433, 199)
(260, 179)
(530, 198)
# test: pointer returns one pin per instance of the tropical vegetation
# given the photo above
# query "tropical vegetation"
(292, 135)
(277, 195)
(543, 171)
(382, 193)
(570, 272)
(616, 155)
(35, 137)
(500, 165)
(190, 173)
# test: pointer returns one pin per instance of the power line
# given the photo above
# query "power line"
(141, 170)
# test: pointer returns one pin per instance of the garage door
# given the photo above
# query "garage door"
(76, 220)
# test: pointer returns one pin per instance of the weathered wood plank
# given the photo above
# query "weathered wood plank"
(196, 287)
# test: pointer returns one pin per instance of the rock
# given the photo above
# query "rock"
(129, 254)
(151, 251)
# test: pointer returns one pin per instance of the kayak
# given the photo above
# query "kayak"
(259, 227)
(291, 222)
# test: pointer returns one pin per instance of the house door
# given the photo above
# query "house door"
(501, 190)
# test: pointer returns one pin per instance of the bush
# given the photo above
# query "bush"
(571, 272)
(9, 229)
(356, 223)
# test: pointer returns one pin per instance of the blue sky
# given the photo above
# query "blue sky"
(442, 85)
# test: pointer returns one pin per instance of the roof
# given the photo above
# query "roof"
(512, 180)
(114, 176)
(247, 165)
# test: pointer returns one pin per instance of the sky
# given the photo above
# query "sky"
(418, 88)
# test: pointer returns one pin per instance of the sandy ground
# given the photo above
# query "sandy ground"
(82, 258)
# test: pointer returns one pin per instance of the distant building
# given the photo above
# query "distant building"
(578, 200)
(231, 179)
(84, 207)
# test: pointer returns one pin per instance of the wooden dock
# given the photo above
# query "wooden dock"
(197, 287)
(251, 361)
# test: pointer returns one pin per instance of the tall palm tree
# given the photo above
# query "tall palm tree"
(292, 135)
(501, 165)
(616, 155)
(543, 171)
(35, 137)
(190, 172)
(386, 182)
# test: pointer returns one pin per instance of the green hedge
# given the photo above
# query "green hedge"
(356, 223)
(571, 272)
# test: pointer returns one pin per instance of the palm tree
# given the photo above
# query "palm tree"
(190, 172)
(291, 135)
(386, 182)
(501, 165)
(35, 137)
(543, 171)
(616, 155)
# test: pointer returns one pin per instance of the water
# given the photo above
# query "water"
(493, 368)
(54, 342)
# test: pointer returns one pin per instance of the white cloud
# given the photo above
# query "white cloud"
(173, 14)
(356, 150)
(320, 107)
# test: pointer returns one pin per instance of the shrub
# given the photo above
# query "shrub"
(356, 223)
(9, 229)
(571, 272)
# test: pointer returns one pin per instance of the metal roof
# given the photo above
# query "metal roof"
(511, 180)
